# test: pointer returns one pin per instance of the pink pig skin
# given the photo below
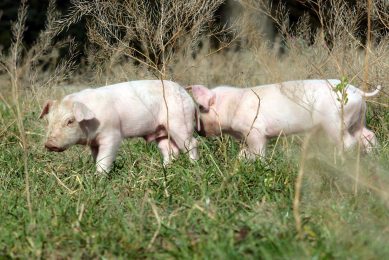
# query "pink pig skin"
(284, 108)
(102, 117)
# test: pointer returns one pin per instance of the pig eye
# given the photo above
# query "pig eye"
(70, 121)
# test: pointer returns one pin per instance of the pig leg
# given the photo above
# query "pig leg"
(94, 150)
(367, 138)
(256, 146)
(184, 140)
(334, 131)
(246, 154)
(106, 153)
(193, 155)
(186, 144)
(168, 149)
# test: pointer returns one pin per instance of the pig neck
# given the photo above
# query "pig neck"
(86, 139)
(227, 106)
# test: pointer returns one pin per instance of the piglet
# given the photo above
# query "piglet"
(103, 117)
(256, 114)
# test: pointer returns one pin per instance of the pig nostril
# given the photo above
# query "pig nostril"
(53, 147)
(49, 144)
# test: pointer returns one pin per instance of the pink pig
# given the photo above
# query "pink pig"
(102, 117)
(259, 113)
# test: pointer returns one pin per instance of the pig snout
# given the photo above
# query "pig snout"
(51, 146)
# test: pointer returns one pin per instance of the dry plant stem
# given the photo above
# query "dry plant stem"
(224, 46)
(14, 74)
(4, 101)
(368, 42)
(255, 117)
(204, 211)
(155, 211)
(357, 169)
(342, 129)
(382, 14)
(62, 184)
(275, 145)
(162, 27)
(168, 132)
(162, 73)
(297, 189)
(22, 133)
(364, 87)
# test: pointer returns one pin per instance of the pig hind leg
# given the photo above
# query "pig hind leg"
(335, 132)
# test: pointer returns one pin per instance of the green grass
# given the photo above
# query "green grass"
(218, 207)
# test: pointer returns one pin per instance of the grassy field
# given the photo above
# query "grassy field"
(52, 205)
(217, 207)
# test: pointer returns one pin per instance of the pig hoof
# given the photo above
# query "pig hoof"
(244, 154)
(101, 174)
(166, 163)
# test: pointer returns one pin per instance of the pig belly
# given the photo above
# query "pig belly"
(139, 125)
(160, 132)
(288, 122)
(282, 114)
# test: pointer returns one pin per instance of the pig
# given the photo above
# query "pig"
(102, 117)
(257, 114)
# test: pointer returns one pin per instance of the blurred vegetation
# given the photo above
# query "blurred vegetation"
(35, 23)
(226, 13)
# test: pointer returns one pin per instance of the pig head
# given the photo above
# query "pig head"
(208, 117)
(70, 123)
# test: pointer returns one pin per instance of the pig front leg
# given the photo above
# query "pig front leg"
(106, 153)
(256, 146)
(94, 150)
(369, 140)
(168, 149)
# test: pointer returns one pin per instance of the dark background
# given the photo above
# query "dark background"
(37, 15)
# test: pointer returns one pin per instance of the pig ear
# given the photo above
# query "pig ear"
(81, 112)
(203, 96)
(46, 108)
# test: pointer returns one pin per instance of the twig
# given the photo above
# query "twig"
(364, 87)
(155, 211)
(297, 189)
(18, 30)
(255, 117)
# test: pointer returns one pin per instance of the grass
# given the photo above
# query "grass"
(217, 207)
